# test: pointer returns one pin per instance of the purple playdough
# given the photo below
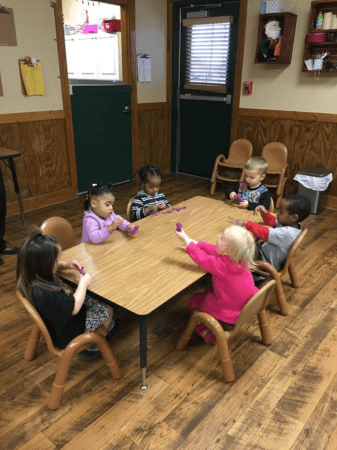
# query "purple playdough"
(81, 270)
(179, 226)
(239, 198)
(134, 229)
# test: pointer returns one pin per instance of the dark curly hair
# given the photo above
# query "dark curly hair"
(299, 204)
(97, 190)
(147, 172)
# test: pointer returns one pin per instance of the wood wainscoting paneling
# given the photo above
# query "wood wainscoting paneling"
(43, 169)
(311, 139)
(152, 126)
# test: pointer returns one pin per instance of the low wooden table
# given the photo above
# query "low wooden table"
(142, 272)
(5, 153)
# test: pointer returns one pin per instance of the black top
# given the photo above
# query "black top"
(255, 196)
(55, 309)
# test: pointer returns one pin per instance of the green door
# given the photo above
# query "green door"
(201, 119)
(102, 132)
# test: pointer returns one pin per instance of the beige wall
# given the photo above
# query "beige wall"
(35, 31)
(285, 87)
(151, 17)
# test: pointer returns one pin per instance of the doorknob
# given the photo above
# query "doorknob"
(127, 109)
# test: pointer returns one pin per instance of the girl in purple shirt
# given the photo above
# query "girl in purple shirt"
(99, 219)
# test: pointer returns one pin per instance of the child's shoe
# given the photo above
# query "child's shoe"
(205, 333)
(114, 330)
(91, 355)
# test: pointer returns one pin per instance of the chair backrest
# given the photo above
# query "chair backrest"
(240, 151)
(292, 252)
(256, 304)
(271, 206)
(128, 210)
(61, 229)
(35, 316)
(276, 154)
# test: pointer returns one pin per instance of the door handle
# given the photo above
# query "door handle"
(127, 109)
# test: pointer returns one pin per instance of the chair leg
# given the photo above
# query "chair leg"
(185, 336)
(293, 275)
(33, 342)
(264, 328)
(281, 298)
(213, 179)
(110, 360)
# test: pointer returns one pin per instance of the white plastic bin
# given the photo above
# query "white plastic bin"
(313, 182)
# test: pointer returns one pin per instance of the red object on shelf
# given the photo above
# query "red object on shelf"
(112, 25)
(316, 38)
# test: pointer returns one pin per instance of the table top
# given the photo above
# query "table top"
(5, 153)
(143, 271)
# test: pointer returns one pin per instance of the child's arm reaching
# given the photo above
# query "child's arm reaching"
(79, 294)
(258, 231)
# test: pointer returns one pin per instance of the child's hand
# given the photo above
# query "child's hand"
(116, 223)
(162, 206)
(132, 230)
(239, 222)
(63, 265)
(244, 204)
(261, 209)
(232, 195)
(183, 236)
(86, 279)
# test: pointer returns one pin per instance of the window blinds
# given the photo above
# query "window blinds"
(207, 53)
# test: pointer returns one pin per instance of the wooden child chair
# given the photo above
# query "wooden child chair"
(128, 211)
(76, 345)
(62, 230)
(256, 305)
(239, 153)
(266, 269)
(276, 154)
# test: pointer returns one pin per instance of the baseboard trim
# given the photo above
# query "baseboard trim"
(41, 200)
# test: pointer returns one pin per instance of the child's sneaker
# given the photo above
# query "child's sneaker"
(91, 355)
(116, 328)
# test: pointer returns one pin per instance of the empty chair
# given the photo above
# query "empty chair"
(128, 211)
(239, 153)
(76, 345)
(268, 270)
(61, 229)
(276, 154)
(256, 305)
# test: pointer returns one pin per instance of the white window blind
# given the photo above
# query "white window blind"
(207, 53)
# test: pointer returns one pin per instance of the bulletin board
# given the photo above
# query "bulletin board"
(7, 27)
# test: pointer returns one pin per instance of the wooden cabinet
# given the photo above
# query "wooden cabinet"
(313, 48)
(288, 26)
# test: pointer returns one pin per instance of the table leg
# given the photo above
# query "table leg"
(143, 350)
(17, 190)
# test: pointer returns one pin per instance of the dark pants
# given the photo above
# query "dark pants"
(3, 211)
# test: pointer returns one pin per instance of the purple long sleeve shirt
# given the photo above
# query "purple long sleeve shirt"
(96, 230)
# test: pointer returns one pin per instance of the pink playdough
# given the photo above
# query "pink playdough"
(239, 198)
(179, 226)
(81, 270)
(134, 229)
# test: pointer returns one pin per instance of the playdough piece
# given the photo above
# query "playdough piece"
(239, 198)
(179, 226)
(81, 270)
(134, 229)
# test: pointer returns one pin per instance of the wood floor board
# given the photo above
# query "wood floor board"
(284, 396)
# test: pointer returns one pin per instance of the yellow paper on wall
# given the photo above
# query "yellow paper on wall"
(32, 78)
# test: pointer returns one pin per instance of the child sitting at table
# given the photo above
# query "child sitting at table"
(252, 192)
(286, 226)
(148, 200)
(65, 314)
(99, 219)
(229, 262)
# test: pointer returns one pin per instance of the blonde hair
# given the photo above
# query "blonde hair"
(240, 246)
(257, 163)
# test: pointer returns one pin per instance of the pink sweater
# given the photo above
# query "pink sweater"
(233, 286)
(96, 230)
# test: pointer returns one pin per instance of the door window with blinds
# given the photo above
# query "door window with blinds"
(207, 53)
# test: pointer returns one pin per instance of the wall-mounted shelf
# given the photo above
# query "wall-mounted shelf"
(288, 26)
(313, 48)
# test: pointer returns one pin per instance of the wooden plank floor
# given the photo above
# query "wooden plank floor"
(284, 396)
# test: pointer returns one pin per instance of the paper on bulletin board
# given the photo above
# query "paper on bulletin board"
(7, 27)
(32, 78)
(144, 68)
